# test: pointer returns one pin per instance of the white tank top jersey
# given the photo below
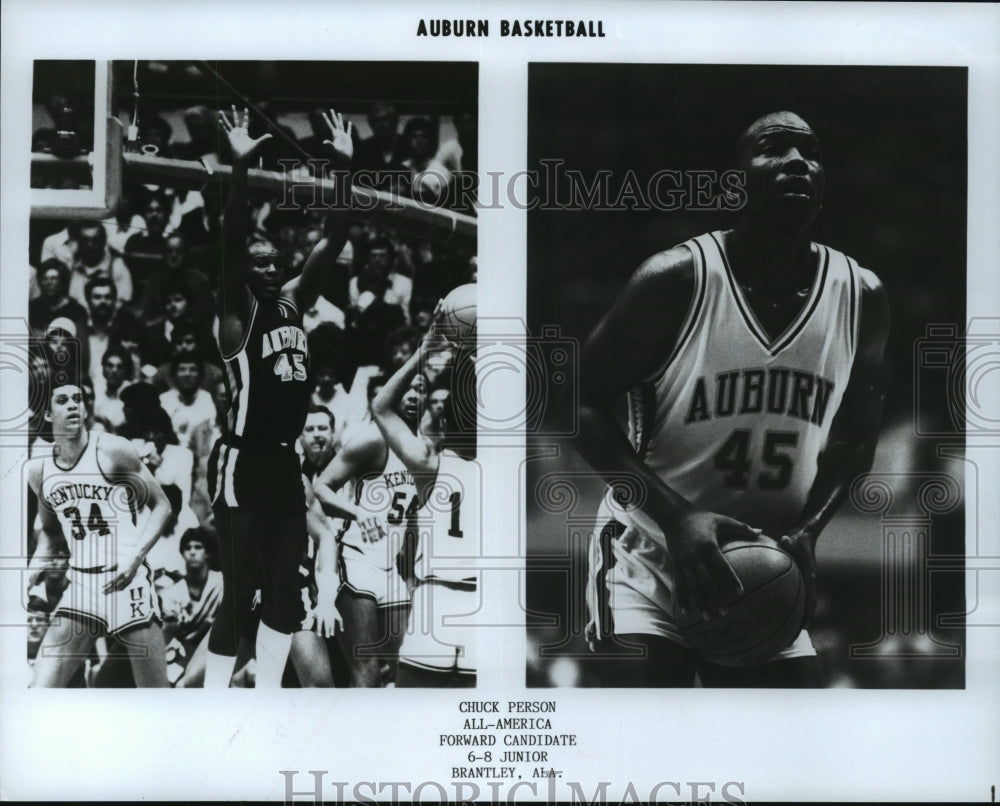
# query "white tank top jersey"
(390, 495)
(448, 523)
(99, 516)
(735, 420)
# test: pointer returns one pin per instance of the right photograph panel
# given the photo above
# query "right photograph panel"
(755, 277)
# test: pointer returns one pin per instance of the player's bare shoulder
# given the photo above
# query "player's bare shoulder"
(667, 272)
(116, 454)
(33, 470)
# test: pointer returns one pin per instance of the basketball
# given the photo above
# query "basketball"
(764, 620)
(457, 318)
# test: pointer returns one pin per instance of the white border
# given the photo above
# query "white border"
(782, 745)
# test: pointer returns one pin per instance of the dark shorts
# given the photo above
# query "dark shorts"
(256, 479)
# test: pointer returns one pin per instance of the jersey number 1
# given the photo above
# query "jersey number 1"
(733, 459)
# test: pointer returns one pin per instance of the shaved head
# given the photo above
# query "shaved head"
(773, 121)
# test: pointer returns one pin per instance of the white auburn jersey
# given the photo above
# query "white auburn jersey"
(450, 548)
(390, 496)
(99, 516)
(735, 420)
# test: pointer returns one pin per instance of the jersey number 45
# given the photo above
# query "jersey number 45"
(733, 460)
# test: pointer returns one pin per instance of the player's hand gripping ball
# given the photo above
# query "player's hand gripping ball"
(764, 620)
(456, 318)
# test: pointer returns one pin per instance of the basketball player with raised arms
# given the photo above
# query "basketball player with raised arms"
(367, 484)
(753, 363)
(438, 650)
(255, 482)
(97, 497)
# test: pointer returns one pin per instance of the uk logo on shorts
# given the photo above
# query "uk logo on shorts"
(138, 600)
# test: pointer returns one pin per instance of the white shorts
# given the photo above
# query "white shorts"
(439, 636)
(365, 575)
(639, 587)
(116, 611)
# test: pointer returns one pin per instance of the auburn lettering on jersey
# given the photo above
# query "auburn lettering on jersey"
(776, 390)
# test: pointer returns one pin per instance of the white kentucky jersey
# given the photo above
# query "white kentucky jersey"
(391, 497)
(448, 524)
(736, 418)
(98, 515)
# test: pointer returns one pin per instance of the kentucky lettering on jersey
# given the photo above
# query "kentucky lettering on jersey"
(78, 492)
(98, 517)
(775, 390)
(397, 478)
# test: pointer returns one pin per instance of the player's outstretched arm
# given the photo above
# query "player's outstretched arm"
(233, 300)
(853, 437)
(121, 464)
(327, 563)
(416, 452)
(363, 454)
(323, 258)
(627, 347)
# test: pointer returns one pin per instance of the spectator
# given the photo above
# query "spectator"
(382, 154)
(176, 265)
(331, 395)
(428, 178)
(177, 310)
(400, 344)
(167, 461)
(54, 300)
(63, 349)
(187, 404)
(185, 339)
(462, 152)
(189, 608)
(109, 410)
(122, 225)
(202, 125)
(92, 258)
(106, 323)
(60, 246)
(144, 250)
(156, 132)
(317, 440)
(140, 404)
(202, 226)
(381, 277)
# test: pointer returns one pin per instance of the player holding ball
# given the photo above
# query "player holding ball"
(753, 363)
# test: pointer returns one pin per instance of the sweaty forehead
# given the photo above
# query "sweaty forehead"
(774, 122)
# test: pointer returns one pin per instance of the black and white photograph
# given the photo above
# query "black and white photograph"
(599, 380)
(756, 263)
(241, 422)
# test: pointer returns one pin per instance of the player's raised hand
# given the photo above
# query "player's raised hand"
(705, 582)
(340, 139)
(802, 548)
(243, 146)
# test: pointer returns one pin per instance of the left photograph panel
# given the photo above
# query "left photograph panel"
(251, 317)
